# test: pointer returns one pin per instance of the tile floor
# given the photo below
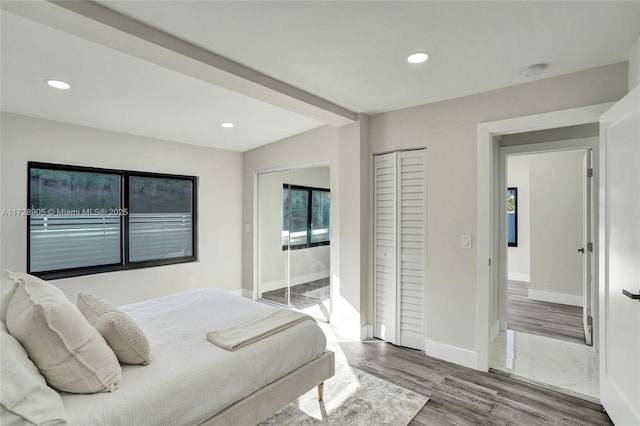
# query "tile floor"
(565, 366)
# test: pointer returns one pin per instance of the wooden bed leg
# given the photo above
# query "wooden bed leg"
(320, 391)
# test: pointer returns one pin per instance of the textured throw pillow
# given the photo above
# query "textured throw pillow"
(68, 351)
(124, 336)
(24, 394)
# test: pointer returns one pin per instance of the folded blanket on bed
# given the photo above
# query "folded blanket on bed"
(244, 334)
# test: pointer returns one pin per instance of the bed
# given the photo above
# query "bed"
(190, 381)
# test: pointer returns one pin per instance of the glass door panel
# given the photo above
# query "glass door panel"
(294, 223)
(310, 220)
(273, 237)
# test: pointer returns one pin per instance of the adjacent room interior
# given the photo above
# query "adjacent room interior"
(370, 212)
(549, 314)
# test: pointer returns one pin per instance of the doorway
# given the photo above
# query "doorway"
(548, 211)
(545, 281)
(294, 239)
(489, 200)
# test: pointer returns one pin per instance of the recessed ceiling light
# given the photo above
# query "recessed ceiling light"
(58, 84)
(227, 125)
(418, 57)
(534, 70)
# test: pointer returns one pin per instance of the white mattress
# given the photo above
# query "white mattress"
(190, 379)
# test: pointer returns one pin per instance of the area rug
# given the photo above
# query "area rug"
(352, 397)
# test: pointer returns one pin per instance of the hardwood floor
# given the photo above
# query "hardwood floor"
(553, 320)
(462, 396)
(304, 296)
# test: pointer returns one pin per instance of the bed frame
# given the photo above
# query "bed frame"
(266, 401)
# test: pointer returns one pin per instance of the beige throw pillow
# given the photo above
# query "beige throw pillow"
(120, 331)
(68, 351)
(9, 280)
(25, 396)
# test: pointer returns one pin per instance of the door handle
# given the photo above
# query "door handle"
(581, 250)
(631, 295)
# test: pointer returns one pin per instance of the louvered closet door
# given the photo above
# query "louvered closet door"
(412, 221)
(400, 217)
(385, 247)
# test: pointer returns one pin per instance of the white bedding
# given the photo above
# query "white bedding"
(190, 379)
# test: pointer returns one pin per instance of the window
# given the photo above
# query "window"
(84, 220)
(305, 217)
(66, 227)
(160, 218)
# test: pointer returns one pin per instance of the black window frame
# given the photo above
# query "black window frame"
(124, 263)
(308, 244)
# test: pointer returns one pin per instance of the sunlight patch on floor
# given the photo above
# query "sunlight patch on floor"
(345, 379)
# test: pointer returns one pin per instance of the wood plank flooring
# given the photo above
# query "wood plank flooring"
(303, 296)
(462, 396)
(553, 320)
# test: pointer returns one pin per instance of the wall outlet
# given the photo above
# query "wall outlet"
(466, 241)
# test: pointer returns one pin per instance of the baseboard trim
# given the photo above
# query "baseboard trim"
(517, 276)
(549, 296)
(247, 293)
(300, 279)
(454, 354)
(238, 292)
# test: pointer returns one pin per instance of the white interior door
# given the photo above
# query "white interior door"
(385, 247)
(400, 249)
(412, 253)
(587, 278)
(620, 261)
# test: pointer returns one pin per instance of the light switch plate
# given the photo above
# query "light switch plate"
(466, 241)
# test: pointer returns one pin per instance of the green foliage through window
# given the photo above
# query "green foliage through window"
(306, 214)
(84, 220)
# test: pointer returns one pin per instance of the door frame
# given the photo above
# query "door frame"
(488, 202)
(578, 144)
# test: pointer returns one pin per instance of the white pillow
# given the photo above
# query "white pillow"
(67, 350)
(121, 332)
(24, 393)
(9, 280)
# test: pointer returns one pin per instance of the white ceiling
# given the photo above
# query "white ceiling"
(114, 91)
(351, 54)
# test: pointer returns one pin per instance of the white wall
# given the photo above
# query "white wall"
(556, 181)
(346, 150)
(550, 135)
(1, 202)
(353, 305)
(310, 148)
(305, 264)
(449, 130)
(26, 139)
(519, 266)
(634, 64)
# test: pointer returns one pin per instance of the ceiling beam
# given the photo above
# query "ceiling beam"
(99, 24)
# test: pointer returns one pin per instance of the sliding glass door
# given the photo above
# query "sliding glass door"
(273, 252)
(294, 244)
